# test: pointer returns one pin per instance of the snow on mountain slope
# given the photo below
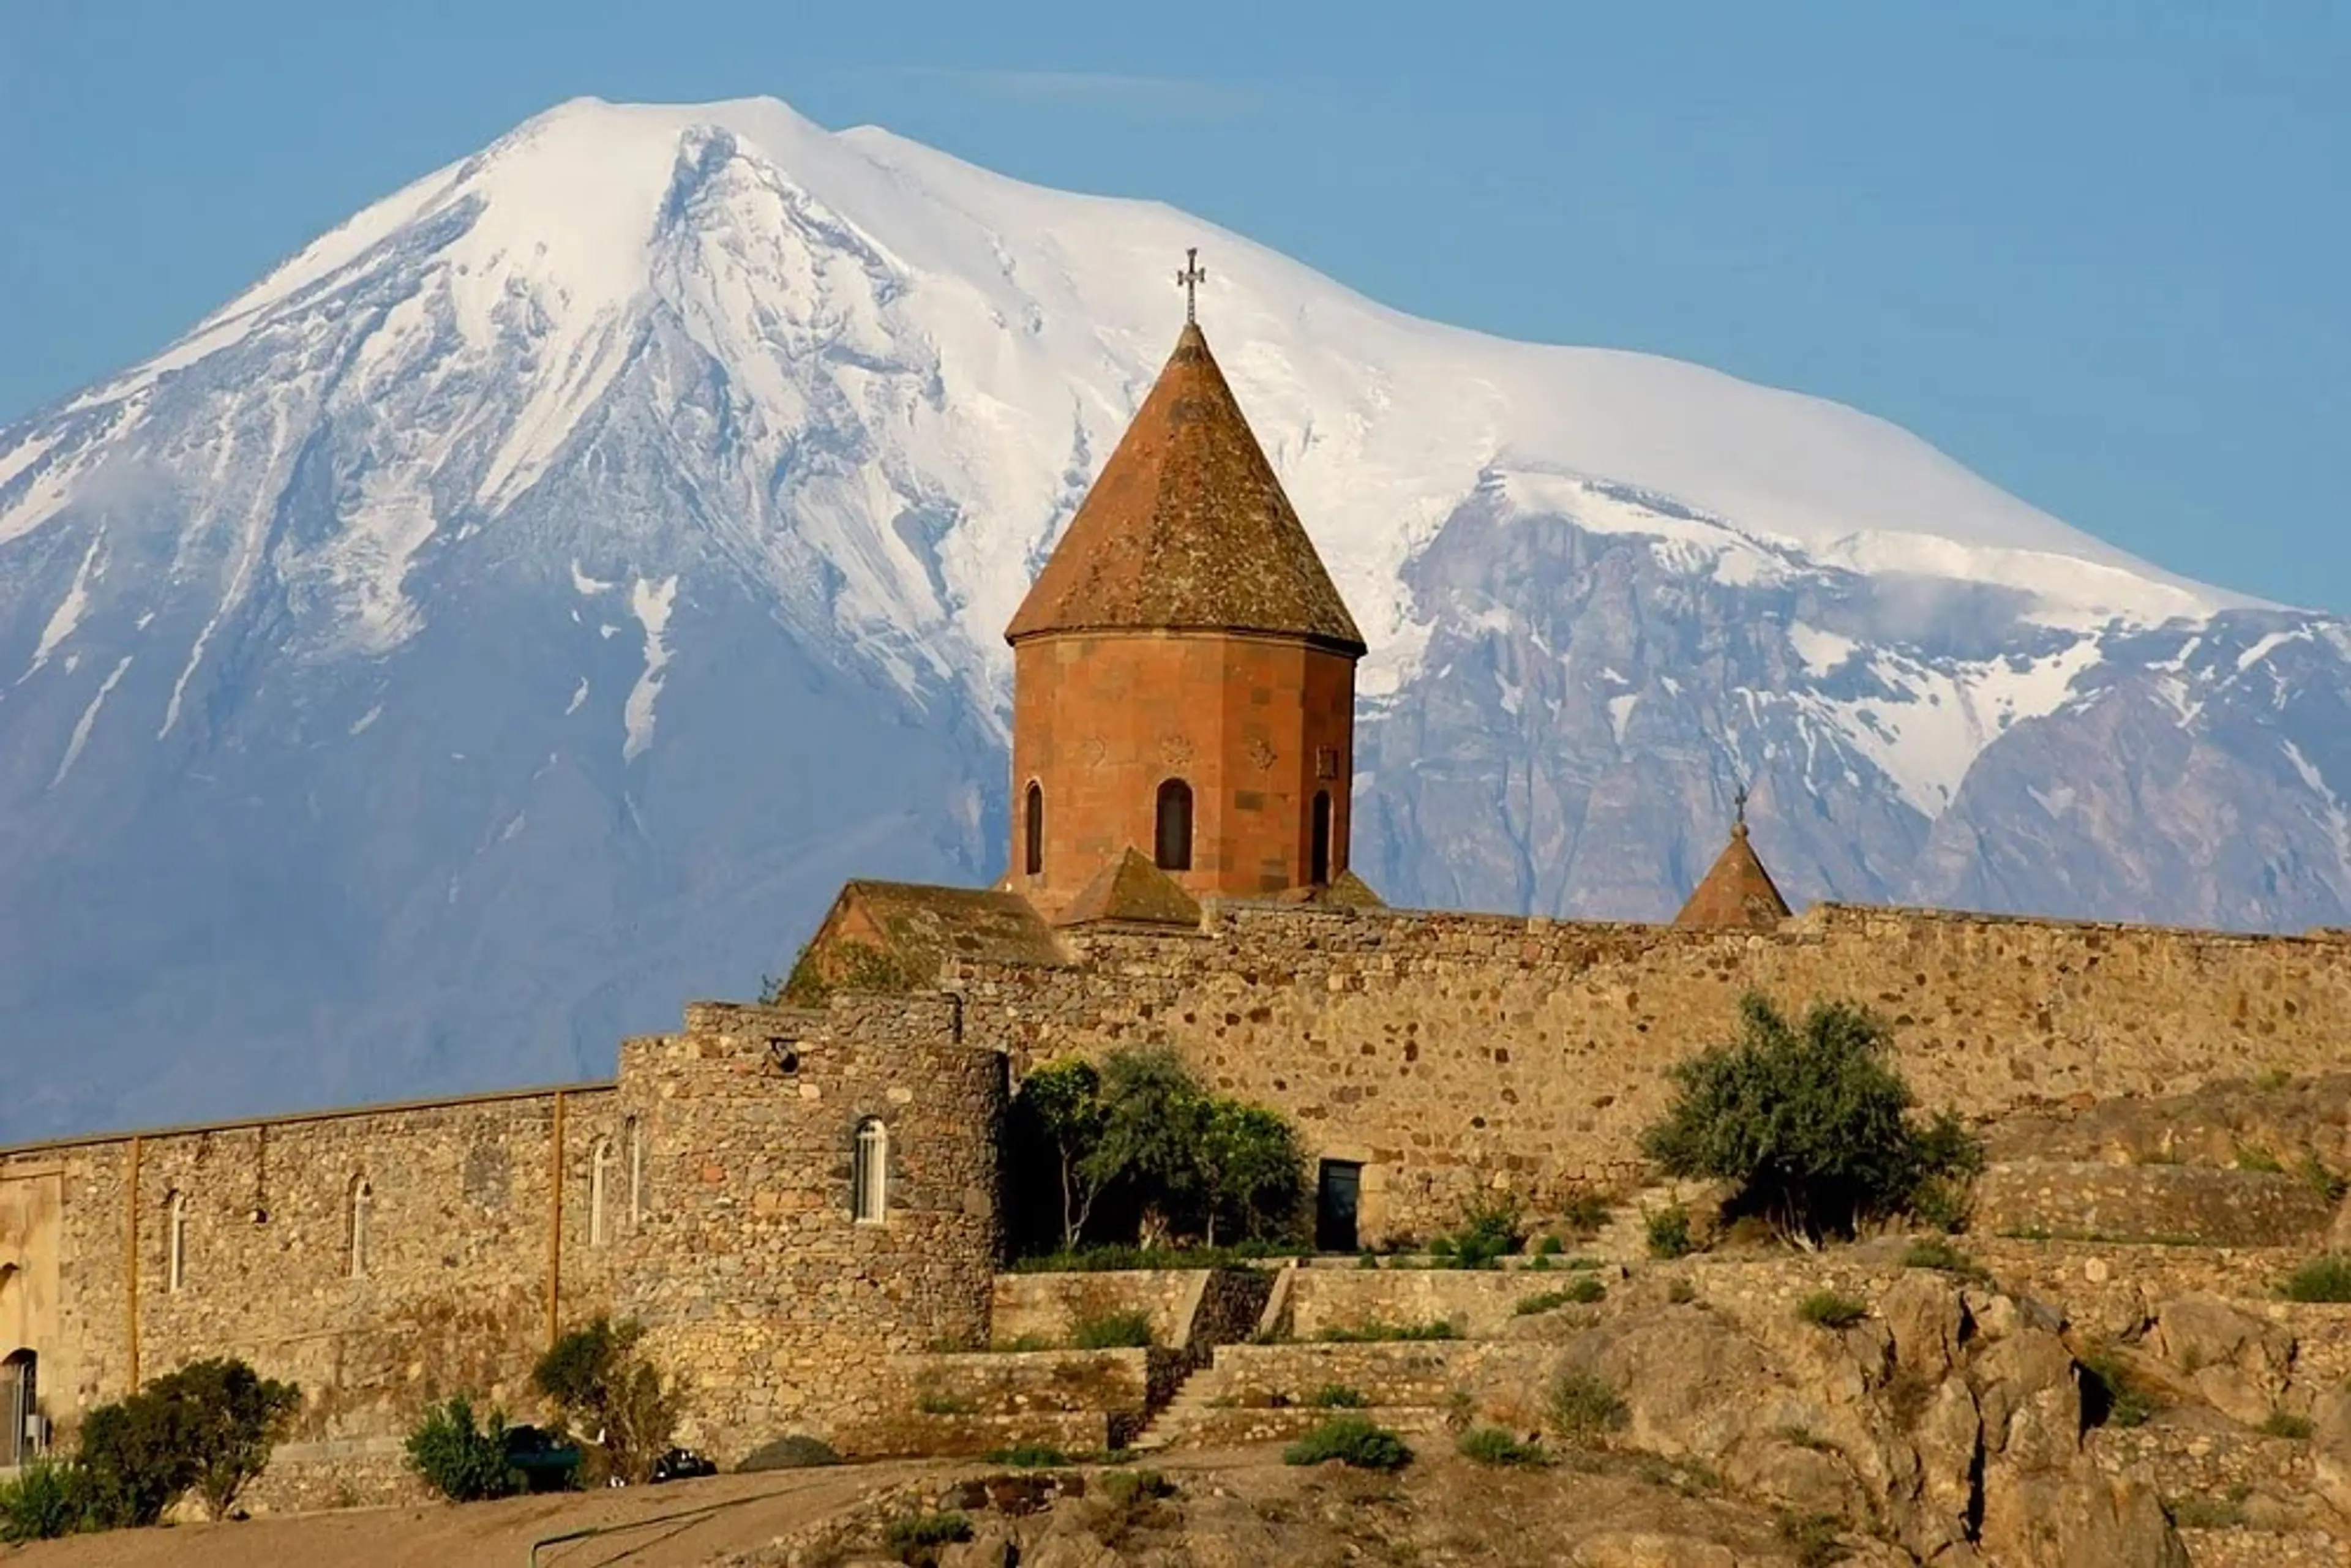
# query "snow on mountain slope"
(519, 609)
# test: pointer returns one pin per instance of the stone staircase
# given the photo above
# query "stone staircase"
(1203, 1415)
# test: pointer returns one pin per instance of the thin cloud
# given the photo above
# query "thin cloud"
(1074, 87)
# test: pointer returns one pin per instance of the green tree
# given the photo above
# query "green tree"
(1810, 1121)
(462, 1461)
(229, 1419)
(1059, 1110)
(602, 1382)
(1154, 1114)
(1251, 1172)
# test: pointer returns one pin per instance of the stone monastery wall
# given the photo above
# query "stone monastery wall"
(386, 1258)
(379, 1258)
(1451, 1054)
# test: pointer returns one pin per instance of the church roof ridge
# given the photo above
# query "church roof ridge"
(1187, 528)
(1736, 891)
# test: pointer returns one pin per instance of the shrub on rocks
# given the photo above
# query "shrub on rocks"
(1583, 1408)
(2322, 1278)
(1831, 1310)
(1352, 1440)
(1492, 1446)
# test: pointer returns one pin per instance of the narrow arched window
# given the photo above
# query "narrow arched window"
(599, 1219)
(175, 1242)
(869, 1176)
(1033, 830)
(636, 1140)
(361, 1230)
(1173, 842)
(1318, 871)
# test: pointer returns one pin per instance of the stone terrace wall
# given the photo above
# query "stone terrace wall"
(2152, 1203)
(1475, 1302)
(462, 1252)
(751, 1273)
(1451, 1054)
(1045, 1309)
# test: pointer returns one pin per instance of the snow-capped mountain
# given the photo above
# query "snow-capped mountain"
(521, 610)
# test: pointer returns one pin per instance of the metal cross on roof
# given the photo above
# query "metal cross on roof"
(1739, 804)
(1189, 281)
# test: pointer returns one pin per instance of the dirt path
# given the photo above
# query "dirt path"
(674, 1526)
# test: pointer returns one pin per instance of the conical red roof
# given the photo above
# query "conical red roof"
(1737, 891)
(1187, 529)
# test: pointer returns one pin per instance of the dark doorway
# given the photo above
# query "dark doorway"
(1334, 1206)
(19, 1407)
(1319, 868)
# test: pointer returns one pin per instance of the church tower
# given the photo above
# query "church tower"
(1184, 670)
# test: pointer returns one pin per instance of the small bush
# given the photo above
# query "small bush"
(1368, 1259)
(1549, 1247)
(2322, 1178)
(2322, 1278)
(794, 1452)
(1583, 1409)
(1669, 1231)
(1829, 1309)
(1492, 1446)
(1354, 1442)
(2259, 1160)
(1812, 1537)
(931, 1402)
(915, 1538)
(1586, 1213)
(1943, 1258)
(1113, 1330)
(1127, 1487)
(1681, 1292)
(1489, 1231)
(1029, 1456)
(462, 1461)
(2110, 1395)
(1944, 1203)
(2272, 1078)
(2285, 1423)
(1540, 1301)
(1372, 1331)
(43, 1501)
(599, 1378)
(1337, 1397)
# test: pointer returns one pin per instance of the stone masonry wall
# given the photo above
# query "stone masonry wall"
(452, 1293)
(751, 1272)
(1455, 1053)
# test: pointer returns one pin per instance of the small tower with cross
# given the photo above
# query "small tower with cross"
(1183, 669)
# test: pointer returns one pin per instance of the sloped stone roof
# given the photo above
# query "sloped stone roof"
(1130, 888)
(1345, 891)
(1187, 529)
(1737, 891)
(899, 935)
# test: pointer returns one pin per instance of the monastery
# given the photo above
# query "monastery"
(794, 1197)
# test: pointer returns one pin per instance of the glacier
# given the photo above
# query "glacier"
(519, 611)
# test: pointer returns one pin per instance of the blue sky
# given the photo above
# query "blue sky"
(2094, 250)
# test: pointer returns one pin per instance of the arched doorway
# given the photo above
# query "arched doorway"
(20, 1407)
